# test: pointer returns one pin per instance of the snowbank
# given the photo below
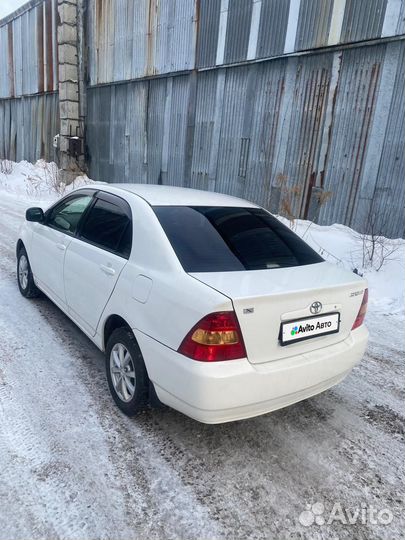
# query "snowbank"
(36, 182)
(344, 246)
(341, 245)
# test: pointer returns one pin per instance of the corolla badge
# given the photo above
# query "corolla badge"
(316, 307)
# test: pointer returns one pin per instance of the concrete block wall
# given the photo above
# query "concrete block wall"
(71, 141)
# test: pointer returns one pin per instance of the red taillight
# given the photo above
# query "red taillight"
(216, 337)
(362, 311)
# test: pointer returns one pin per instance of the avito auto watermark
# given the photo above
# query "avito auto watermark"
(316, 514)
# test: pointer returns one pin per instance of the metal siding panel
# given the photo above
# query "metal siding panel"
(142, 42)
(207, 39)
(17, 47)
(130, 39)
(33, 56)
(349, 130)
(205, 117)
(266, 106)
(156, 113)
(117, 132)
(381, 200)
(181, 51)
(389, 195)
(136, 132)
(40, 48)
(227, 178)
(102, 133)
(401, 19)
(363, 19)
(92, 144)
(305, 126)
(4, 78)
(120, 34)
(178, 131)
(273, 27)
(24, 127)
(313, 24)
(55, 54)
(237, 30)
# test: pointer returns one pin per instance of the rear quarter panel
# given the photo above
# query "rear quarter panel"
(153, 294)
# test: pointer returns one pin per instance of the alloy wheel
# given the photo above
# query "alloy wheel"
(122, 371)
(23, 271)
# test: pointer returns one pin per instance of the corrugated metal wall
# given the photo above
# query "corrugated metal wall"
(129, 39)
(206, 93)
(28, 51)
(279, 133)
(29, 110)
(133, 38)
(27, 126)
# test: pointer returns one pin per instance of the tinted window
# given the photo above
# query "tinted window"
(218, 239)
(109, 227)
(66, 215)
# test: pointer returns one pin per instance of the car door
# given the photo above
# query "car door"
(96, 257)
(50, 240)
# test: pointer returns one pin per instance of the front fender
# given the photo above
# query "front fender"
(25, 238)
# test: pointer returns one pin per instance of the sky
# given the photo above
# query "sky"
(8, 6)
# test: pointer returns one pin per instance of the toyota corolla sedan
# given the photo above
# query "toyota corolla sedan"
(204, 301)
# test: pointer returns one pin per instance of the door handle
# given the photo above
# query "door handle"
(107, 269)
(62, 247)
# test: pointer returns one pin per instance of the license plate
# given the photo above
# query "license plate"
(309, 327)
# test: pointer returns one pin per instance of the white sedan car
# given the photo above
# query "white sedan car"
(202, 300)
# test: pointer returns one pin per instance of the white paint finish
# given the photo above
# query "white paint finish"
(336, 21)
(254, 29)
(171, 195)
(47, 259)
(265, 291)
(99, 284)
(234, 390)
(90, 275)
(141, 288)
(392, 14)
(223, 22)
(289, 45)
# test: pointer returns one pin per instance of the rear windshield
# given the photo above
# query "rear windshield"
(221, 239)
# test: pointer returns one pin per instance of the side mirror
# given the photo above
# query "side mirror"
(34, 214)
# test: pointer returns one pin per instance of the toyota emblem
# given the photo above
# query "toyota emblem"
(315, 308)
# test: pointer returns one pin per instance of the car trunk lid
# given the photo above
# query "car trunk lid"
(264, 299)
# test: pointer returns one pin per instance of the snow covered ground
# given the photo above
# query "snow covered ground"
(73, 467)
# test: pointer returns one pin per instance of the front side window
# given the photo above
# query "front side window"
(109, 227)
(66, 216)
(221, 239)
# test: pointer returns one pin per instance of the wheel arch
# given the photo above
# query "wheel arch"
(111, 323)
(19, 245)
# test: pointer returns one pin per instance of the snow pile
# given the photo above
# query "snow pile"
(338, 244)
(36, 182)
(345, 247)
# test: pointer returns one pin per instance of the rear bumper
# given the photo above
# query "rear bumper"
(234, 390)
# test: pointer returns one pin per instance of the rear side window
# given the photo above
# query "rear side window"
(220, 239)
(108, 226)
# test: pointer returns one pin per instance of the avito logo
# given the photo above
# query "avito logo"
(310, 327)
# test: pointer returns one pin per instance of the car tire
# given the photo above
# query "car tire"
(126, 372)
(25, 278)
